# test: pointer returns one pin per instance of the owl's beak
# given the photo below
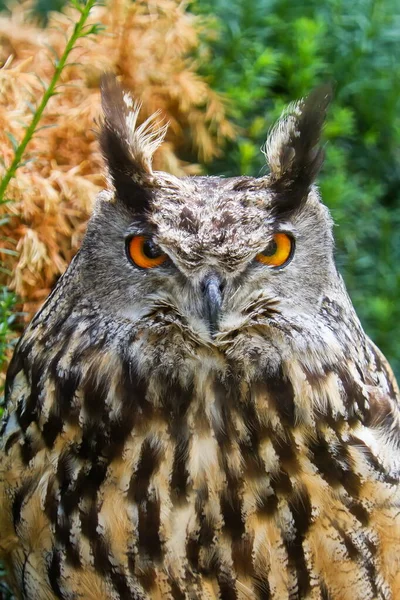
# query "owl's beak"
(212, 288)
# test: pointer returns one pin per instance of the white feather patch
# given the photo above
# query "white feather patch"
(146, 138)
(280, 137)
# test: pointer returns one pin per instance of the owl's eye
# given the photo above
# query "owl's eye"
(278, 252)
(144, 252)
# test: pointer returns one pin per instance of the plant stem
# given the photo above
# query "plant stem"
(76, 34)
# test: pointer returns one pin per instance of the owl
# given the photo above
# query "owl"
(196, 412)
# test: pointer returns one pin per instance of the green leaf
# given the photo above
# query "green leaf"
(13, 141)
(8, 251)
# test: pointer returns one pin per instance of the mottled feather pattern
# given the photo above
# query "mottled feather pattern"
(139, 142)
(293, 151)
(145, 455)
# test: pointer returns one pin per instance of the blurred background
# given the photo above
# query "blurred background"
(220, 71)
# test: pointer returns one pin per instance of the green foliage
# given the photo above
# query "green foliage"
(40, 10)
(7, 318)
(43, 7)
(268, 53)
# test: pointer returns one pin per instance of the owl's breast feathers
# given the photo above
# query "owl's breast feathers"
(202, 484)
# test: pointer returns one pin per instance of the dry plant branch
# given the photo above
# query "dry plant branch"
(79, 31)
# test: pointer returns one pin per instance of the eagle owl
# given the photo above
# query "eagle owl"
(196, 412)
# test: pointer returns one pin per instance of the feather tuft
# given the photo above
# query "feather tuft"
(128, 147)
(293, 149)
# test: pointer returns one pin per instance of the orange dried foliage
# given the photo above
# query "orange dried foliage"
(146, 43)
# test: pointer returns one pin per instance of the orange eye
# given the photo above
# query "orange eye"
(145, 253)
(278, 252)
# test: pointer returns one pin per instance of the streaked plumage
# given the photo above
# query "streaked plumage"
(212, 427)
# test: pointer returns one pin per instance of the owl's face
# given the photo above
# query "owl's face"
(211, 263)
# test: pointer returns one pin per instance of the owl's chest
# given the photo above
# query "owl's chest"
(205, 491)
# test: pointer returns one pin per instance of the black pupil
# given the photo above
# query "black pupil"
(270, 249)
(151, 250)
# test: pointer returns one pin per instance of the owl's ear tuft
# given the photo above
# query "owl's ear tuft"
(293, 149)
(128, 148)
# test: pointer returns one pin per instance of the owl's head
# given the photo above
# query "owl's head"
(236, 265)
